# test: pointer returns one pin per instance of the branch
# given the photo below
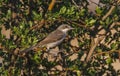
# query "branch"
(109, 12)
(92, 49)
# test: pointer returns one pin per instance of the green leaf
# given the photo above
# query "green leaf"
(92, 21)
(9, 13)
(63, 10)
(82, 12)
(78, 73)
(37, 16)
(30, 23)
(114, 46)
(36, 57)
(102, 22)
(109, 60)
(71, 10)
(98, 10)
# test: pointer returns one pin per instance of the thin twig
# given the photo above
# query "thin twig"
(39, 25)
(109, 12)
(92, 49)
(51, 5)
(108, 52)
(75, 4)
(80, 25)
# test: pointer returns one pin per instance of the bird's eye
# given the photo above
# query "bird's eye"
(66, 26)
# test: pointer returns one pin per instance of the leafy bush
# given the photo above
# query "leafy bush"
(96, 34)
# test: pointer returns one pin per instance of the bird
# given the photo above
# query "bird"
(53, 39)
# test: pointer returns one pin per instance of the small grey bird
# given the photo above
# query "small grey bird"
(53, 39)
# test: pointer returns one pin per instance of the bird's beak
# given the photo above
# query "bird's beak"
(72, 28)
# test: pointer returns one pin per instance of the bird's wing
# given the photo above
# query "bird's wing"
(52, 37)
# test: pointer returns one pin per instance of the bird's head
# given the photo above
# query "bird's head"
(64, 28)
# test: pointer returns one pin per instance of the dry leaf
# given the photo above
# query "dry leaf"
(1, 60)
(73, 57)
(83, 57)
(6, 32)
(116, 65)
(59, 67)
(74, 42)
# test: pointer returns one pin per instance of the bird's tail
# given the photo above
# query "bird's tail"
(27, 50)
